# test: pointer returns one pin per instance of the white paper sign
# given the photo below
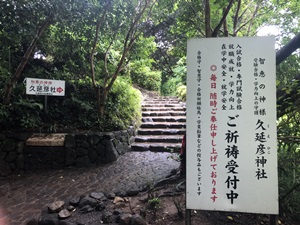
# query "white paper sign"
(36, 86)
(231, 125)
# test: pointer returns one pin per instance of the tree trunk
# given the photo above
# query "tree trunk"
(131, 36)
(236, 16)
(207, 19)
(15, 77)
(284, 99)
(225, 13)
(102, 100)
(288, 49)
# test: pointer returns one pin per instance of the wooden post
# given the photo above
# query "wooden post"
(273, 220)
(188, 217)
(46, 103)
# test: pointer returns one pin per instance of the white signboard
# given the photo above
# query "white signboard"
(231, 125)
(36, 86)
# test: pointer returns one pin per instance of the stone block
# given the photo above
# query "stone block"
(88, 201)
(80, 137)
(20, 163)
(121, 148)
(2, 155)
(94, 139)
(108, 217)
(20, 146)
(93, 155)
(83, 161)
(136, 219)
(46, 140)
(70, 157)
(11, 156)
(85, 144)
(81, 152)
(48, 219)
(9, 145)
(111, 152)
(2, 137)
(70, 141)
(100, 149)
(108, 135)
(118, 135)
(125, 219)
(5, 169)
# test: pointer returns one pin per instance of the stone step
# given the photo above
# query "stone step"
(163, 125)
(156, 147)
(162, 105)
(166, 125)
(163, 113)
(161, 132)
(164, 119)
(160, 102)
(144, 109)
(155, 98)
(159, 138)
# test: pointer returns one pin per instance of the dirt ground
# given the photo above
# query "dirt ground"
(158, 206)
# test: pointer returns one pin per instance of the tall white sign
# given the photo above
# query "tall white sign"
(231, 125)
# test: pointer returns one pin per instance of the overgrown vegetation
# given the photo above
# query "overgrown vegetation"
(75, 111)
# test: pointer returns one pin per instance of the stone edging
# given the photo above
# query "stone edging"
(79, 150)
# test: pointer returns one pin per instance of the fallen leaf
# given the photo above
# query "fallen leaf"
(230, 217)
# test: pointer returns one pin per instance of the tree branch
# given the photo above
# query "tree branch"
(252, 18)
(225, 27)
(288, 49)
(207, 19)
(282, 95)
(99, 24)
(217, 28)
(236, 16)
(15, 77)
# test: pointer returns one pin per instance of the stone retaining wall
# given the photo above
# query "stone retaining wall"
(79, 150)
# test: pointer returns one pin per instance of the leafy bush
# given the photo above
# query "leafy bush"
(144, 77)
(23, 114)
(288, 164)
(124, 105)
(170, 87)
(181, 92)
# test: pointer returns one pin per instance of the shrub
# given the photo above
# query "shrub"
(144, 77)
(178, 79)
(124, 104)
(181, 92)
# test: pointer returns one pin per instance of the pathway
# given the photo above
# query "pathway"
(23, 196)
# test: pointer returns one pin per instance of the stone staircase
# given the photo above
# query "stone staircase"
(163, 125)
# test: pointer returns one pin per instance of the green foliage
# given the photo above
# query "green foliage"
(23, 114)
(144, 77)
(124, 105)
(288, 163)
(154, 203)
(181, 92)
(140, 68)
(175, 85)
(76, 111)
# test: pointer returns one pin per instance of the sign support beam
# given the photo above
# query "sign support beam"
(188, 217)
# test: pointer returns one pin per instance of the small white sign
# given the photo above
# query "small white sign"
(231, 125)
(35, 86)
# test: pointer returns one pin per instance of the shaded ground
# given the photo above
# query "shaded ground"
(171, 205)
(23, 196)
